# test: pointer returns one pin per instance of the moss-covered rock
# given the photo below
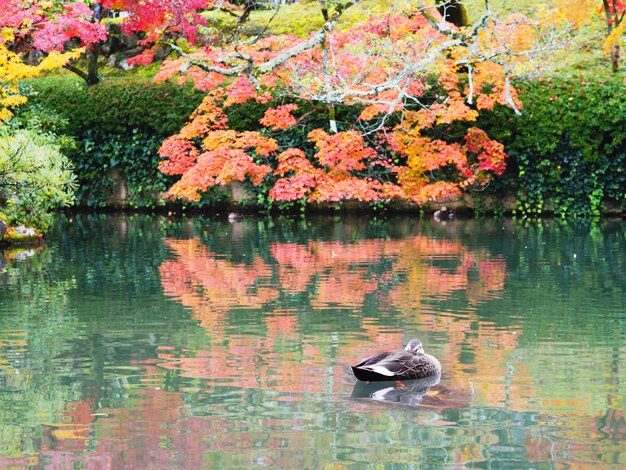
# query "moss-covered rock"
(22, 235)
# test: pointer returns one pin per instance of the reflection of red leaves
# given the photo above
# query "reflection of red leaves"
(337, 275)
(335, 269)
(223, 284)
(343, 288)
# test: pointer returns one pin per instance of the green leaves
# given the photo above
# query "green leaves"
(134, 156)
(35, 177)
(117, 105)
(566, 151)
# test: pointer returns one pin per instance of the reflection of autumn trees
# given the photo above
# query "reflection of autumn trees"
(399, 272)
(334, 273)
(482, 360)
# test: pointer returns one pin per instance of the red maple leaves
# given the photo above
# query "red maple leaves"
(47, 26)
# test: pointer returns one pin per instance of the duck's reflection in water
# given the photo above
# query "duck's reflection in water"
(408, 392)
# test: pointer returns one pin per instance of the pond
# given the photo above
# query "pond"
(154, 342)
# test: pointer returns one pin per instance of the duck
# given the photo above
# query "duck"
(409, 363)
(443, 214)
(234, 217)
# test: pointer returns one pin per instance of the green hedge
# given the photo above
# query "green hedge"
(115, 105)
(133, 153)
(567, 151)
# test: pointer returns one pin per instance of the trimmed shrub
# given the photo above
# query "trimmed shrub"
(567, 151)
(115, 105)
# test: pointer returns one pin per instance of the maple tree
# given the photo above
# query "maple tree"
(614, 12)
(412, 75)
(38, 27)
(41, 29)
(141, 31)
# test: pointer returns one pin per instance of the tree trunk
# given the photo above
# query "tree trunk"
(92, 71)
(615, 56)
(91, 75)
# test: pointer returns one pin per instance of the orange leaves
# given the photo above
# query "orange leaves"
(438, 191)
(179, 156)
(490, 87)
(342, 152)
(241, 89)
(221, 166)
(300, 176)
(293, 188)
(279, 118)
(224, 158)
(218, 167)
(263, 146)
(343, 167)
(206, 118)
(294, 160)
(352, 188)
(474, 161)
(339, 155)
(301, 179)
(415, 83)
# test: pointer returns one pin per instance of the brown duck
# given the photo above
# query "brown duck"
(406, 364)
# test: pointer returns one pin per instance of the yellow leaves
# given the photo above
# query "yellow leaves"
(12, 100)
(12, 69)
(7, 35)
(56, 60)
(614, 38)
(5, 114)
(571, 13)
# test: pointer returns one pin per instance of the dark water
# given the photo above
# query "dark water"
(143, 342)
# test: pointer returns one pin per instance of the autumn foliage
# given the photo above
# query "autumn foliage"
(416, 82)
(42, 26)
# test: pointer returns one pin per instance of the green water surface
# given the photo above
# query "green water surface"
(154, 342)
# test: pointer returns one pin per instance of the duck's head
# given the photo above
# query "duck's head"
(415, 346)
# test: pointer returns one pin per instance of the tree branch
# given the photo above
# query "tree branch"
(265, 67)
(77, 71)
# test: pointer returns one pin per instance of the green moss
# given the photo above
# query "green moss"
(300, 19)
